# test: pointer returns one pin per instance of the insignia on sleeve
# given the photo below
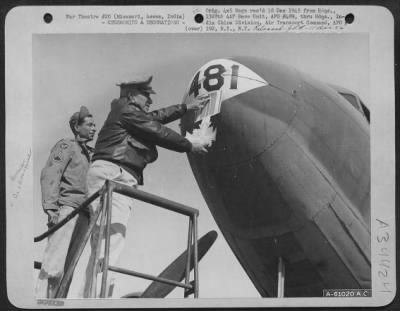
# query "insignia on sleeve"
(64, 146)
(58, 156)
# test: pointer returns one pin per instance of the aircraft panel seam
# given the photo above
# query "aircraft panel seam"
(336, 251)
(346, 229)
(320, 170)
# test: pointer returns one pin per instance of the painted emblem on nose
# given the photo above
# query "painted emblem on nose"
(221, 79)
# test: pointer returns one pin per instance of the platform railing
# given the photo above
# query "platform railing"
(105, 210)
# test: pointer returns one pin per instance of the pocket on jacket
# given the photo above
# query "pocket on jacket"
(148, 153)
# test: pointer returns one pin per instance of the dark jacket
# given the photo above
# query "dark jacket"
(63, 179)
(129, 136)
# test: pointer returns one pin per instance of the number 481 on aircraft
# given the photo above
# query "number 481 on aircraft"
(214, 79)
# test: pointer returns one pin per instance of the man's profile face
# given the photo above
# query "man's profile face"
(143, 100)
(86, 129)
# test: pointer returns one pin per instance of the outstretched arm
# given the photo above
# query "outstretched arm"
(143, 125)
(169, 114)
(172, 113)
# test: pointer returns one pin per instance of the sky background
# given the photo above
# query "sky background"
(74, 70)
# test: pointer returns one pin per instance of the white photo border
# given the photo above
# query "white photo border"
(24, 22)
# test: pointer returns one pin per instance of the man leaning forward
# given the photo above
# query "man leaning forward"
(125, 145)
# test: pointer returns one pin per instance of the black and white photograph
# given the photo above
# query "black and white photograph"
(221, 168)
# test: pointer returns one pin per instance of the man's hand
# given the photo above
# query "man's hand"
(52, 217)
(198, 148)
(199, 103)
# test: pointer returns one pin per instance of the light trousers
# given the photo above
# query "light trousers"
(54, 257)
(98, 173)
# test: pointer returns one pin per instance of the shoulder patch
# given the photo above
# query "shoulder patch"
(63, 145)
(60, 151)
(58, 156)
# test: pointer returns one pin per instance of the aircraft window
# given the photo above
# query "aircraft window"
(351, 99)
(365, 109)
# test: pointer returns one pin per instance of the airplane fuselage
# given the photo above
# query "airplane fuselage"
(288, 175)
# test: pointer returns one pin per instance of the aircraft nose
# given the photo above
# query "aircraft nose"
(247, 124)
(246, 114)
(236, 167)
(251, 122)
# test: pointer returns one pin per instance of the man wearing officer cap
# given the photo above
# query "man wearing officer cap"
(63, 185)
(125, 145)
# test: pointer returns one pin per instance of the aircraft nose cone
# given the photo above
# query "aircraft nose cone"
(254, 106)
(247, 125)
(250, 123)
(235, 175)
